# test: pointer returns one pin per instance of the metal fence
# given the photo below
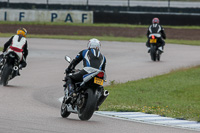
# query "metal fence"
(106, 5)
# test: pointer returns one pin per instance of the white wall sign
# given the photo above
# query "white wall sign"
(46, 16)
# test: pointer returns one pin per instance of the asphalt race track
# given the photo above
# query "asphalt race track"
(30, 103)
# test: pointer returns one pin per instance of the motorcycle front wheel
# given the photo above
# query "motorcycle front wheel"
(63, 111)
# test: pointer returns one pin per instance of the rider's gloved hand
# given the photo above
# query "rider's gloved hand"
(68, 70)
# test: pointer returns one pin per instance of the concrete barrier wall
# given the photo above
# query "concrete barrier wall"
(46, 16)
(97, 17)
(146, 18)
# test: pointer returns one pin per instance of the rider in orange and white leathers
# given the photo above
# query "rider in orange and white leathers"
(18, 44)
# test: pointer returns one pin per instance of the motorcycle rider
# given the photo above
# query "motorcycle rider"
(18, 44)
(157, 30)
(92, 60)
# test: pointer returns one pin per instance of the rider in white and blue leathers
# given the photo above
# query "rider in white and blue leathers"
(92, 60)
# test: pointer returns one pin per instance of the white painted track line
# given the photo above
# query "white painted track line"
(152, 119)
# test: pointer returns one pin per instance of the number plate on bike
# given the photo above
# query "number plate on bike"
(153, 40)
(98, 81)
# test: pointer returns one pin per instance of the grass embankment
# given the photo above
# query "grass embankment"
(102, 38)
(176, 94)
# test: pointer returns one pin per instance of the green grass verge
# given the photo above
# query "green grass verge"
(176, 95)
(107, 38)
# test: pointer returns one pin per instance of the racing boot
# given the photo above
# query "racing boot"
(160, 49)
(68, 97)
(149, 49)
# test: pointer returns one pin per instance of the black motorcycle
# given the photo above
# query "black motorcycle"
(88, 95)
(9, 67)
(155, 53)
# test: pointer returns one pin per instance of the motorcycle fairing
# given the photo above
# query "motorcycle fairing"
(156, 35)
(89, 76)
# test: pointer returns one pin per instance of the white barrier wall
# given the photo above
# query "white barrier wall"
(46, 16)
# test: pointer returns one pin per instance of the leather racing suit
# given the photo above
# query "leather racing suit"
(158, 31)
(18, 44)
(92, 60)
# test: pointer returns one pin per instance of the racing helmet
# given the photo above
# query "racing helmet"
(22, 31)
(155, 21)
(94, 43)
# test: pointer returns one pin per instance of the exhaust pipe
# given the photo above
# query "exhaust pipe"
(102, 98)
(106, 93)
(15, 68)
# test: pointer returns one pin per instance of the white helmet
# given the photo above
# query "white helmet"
(94, 43)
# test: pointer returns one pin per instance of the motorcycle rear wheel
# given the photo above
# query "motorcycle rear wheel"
(86, 112)
(7, 70)
(153, 53)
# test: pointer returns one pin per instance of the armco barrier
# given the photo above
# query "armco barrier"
(46, 16)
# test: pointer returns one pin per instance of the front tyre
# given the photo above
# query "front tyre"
(64, 112)
(89, 106)
(7, 70)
